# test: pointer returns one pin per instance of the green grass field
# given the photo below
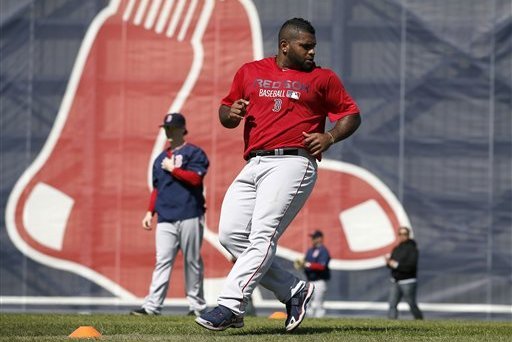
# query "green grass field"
(117, 327)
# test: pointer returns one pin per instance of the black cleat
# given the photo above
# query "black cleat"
(220, 318)
(296, 307)
(143, 312)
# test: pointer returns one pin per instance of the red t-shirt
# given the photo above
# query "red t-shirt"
(283, 103)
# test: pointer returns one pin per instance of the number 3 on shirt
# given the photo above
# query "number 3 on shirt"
(277, 105)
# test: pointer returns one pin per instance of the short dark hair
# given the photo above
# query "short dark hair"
(297, 24)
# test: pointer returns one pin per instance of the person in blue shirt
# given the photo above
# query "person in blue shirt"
(316, 268)
(178, 201)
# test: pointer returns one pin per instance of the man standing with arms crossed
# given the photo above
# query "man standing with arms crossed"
(284, 101)
(178, 200)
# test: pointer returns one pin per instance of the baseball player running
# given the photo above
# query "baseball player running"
(178, 200)
(284, 101)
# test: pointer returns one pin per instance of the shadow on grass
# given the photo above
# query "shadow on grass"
(281, 331)
(328, 330)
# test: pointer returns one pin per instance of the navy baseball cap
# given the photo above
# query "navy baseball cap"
(316, 234)
(175, 120)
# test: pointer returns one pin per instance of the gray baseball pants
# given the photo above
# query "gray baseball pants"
(170, 237)
(316, 305)
(257, 208)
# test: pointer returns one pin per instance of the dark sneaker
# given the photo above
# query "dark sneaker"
(143, 312)
(196, 313)
(296, 307)
(220, 318)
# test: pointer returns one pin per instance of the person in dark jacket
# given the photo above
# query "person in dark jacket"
(403, 263)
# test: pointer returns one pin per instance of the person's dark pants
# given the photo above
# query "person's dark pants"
(408, 292)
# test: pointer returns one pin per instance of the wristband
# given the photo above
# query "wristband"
(332, 137)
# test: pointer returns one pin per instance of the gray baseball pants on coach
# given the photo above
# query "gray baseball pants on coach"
(170, 237)
(316, 305)
(258, 206)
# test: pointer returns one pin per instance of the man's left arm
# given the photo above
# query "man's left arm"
(186, 176)
(341, 108)
(321, 262)
(195, 171)
(344, 128)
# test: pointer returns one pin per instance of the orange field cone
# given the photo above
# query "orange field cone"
(85, 332)
(278, 315)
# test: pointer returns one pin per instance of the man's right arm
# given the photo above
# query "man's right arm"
(225, 119)
(230, 117)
